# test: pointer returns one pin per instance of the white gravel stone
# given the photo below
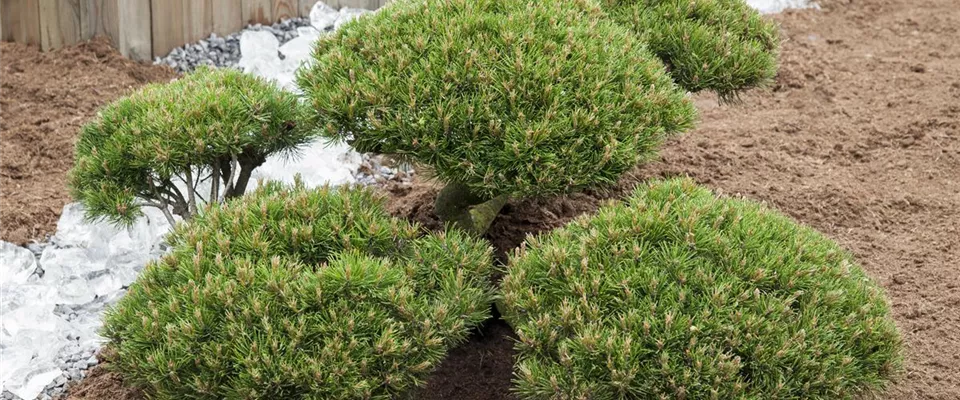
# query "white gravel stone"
(322, 16)
(775, 6)
(348, 14)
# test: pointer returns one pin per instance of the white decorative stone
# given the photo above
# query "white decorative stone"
(34, 382)
(775, 6)
(298, 50)
(318, 164)
(348, 14)
(258, 44)
(16, 264)
(322, 16)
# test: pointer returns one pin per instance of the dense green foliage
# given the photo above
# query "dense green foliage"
(291, 293)
(681, 294)
(214, 125)
(504, 97)
(720, 45)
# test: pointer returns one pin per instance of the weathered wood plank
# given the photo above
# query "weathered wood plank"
(21, 21)
(228, 17)
(100, 18)
(367, 4)
(306, 6)
(134, 30)
(1, 20)
(197, 20)
(257, 12)
(284, 9)
(167, 25)
(59, 23)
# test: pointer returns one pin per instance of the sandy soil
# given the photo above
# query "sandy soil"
(859, 137)
(44, 99)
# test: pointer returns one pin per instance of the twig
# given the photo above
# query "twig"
(242, 179)
(190, 192)
(215, 186)
(164, 205)
(234, 164)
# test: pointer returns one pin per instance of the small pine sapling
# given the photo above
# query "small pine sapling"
(678, 293)
(501, 99)
(160, 145)
(296, 293)
(724, 46)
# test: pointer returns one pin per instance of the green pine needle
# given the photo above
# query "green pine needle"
(210, 120)
(720, 45)
(291, 293)
(681, 294)
(506, 97)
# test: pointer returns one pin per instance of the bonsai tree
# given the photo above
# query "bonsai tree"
(502, 99)
(680, 294)
(159, 146)
(295, 293)
(724, 46)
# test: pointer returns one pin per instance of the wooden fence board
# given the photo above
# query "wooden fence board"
(21, 21)
(228, 17)
(198, 19)
(141, 29)
(367, 4)
(59, 23)
(100, 18)
(306, 6)
(135, 33)
(257, 12)
(284, 9)
(167, 25)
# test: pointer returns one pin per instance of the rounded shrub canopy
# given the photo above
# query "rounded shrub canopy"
(720, 45)
(291, 293)
(139, 145)
(506, 97)
(681, 294)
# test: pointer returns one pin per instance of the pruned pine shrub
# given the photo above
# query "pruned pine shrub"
(724, 46)
(501, 98)
(162, 144)
(681, 294)
(290, 293)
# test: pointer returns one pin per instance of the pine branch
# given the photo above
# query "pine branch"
(191, 188)
(164, 204)
(215, 185)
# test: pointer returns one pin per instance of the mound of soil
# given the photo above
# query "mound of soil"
(45, 98)
(859, 138)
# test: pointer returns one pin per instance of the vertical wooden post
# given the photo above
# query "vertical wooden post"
(228, 17)
(1, 20)
(306, 6)
(125, 22)
(366, 4)
(197, 20)
(99, 18)
(59, 23)
(284, 9)
(134, 29)
(257, 12)
(21, 21)
(166, 18)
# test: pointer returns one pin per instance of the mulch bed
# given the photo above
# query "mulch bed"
(44, 99)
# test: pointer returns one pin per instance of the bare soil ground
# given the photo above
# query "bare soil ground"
(44, 99)
(859, 137)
